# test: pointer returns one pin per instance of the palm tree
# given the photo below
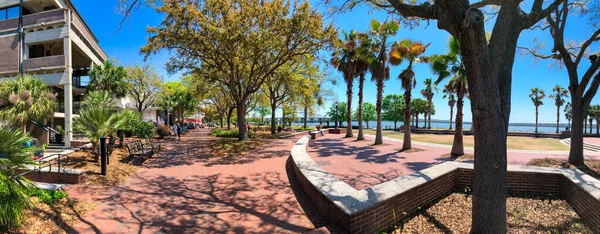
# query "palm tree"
(25, 98)
(346, 60)
(536, 97)
(558, 95)
(449, 93)
(14, 188)
(427, 93)
(100, 98)
(374, 48)
(410, 51)
(110, 77)
(595, 111)
(450, 66)
(568, 113)
(97, 122)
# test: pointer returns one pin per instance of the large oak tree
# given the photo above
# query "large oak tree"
(244, 40)
(489, 73)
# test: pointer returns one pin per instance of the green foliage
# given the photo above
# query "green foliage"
(418, 106)
(131, 120)
(144, 130)
(100, 98)
(393, 107)
(227, 133)
(47, 196)
(109, 77)
(536, 96)
(25, 98)
(369, 112)
(144, 85)
(14, 189)
(60, 129)
(96, 122)
(341, 112)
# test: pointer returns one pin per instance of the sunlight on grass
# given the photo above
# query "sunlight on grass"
(519, 143)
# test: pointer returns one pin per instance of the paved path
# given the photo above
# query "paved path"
(362, 165)
(180, 193)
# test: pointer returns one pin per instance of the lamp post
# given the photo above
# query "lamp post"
(336, 114)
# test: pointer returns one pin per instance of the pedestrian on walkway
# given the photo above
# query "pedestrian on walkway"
(179, 131)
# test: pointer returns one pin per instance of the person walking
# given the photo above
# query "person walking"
(179, 131)
(175, 130)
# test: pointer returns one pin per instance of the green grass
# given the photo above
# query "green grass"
(513, 142)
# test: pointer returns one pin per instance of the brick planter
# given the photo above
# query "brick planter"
(67, 175)
(337, 131)
(372, 209)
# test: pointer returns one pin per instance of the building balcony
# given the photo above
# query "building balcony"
(44, 63)
(36, 19)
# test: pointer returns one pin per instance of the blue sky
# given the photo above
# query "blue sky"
(125, 45)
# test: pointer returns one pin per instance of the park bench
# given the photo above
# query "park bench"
(139, 149)
(147, 144)
(316, 134)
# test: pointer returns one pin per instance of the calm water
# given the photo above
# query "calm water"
(511, 128)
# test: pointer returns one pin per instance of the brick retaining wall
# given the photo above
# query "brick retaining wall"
(376, 208)
(68, 176)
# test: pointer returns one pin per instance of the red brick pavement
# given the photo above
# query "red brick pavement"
(176, 192)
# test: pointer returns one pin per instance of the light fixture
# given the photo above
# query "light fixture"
(593, 58)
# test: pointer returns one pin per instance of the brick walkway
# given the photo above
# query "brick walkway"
(180, 193)
(362, 165)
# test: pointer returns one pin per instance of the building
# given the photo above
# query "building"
(56, 45)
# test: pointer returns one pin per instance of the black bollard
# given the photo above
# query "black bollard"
(103, 156)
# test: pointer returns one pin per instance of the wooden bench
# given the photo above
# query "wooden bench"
(139, 149)
(316, 134)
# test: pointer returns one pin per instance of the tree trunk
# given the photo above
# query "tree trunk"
(361, 83)
(451, 115)
(379, 133)
(349, 109)
(367, 122)
(305, 117)
(591, 125)
(490, 104)
(577, 131)
(229, 113)
(273, 122)
(536, 118)
(584, 125)
(241, 120)
(221, 120)
(395, 124)
(557, 118)
(429, 116)
(457, 145)
(417, 120)
(406, 143)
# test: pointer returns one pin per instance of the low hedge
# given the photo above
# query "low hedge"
(227, 133)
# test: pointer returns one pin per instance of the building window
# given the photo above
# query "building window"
(12, 12)
(36, 51)
(9, 13)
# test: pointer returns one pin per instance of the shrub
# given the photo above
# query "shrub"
(14, 189)
(48, 197)
(227, 133)
(144, 130)
(163, 131)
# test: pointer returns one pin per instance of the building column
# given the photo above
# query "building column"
(68, 93)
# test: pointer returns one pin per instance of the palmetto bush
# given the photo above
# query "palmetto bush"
(97, 122)
(14, 189)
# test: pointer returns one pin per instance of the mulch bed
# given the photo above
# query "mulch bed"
(56, 218)
(463, 157)
(592, 166)
(413, 150)
(117, 172)
(524, 215)
(229, 147)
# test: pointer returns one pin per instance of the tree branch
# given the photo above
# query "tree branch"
(424, 11)
(537, 13)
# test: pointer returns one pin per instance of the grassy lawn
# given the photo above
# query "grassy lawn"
(519, 143)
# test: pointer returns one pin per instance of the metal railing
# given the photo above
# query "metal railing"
(47, 162)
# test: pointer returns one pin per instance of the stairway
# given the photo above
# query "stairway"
(586, 146)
